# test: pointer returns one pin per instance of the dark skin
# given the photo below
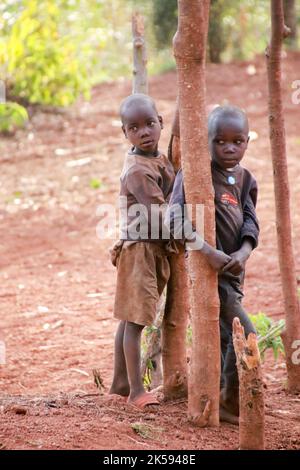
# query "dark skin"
(228, 142)
(142, 127)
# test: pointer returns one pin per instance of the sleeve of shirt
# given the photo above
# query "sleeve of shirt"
(176, 218)
(250, 227)
(144, 188)
(150, 199)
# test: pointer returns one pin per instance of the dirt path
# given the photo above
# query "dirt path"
(57, 284)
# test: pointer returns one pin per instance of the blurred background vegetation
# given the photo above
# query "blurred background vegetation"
(53, 51)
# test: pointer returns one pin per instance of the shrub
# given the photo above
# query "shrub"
(12, 116)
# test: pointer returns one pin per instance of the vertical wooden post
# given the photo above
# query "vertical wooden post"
(140, 83)
(190, 54)
(282, 197)
(177, 306)
(252, 414)
(174, 331)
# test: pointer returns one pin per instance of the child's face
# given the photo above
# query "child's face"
(142, 127)
(228, 141)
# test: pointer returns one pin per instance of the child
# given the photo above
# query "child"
(236, 235)
(143, 267)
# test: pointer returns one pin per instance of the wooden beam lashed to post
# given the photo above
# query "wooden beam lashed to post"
(291, 335)
(190, 54)
(252, 413)
(140, 81)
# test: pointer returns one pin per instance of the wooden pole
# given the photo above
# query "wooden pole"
(282, 197)
(252, 413)
(190, 54)
(140, 82)
(177, 306)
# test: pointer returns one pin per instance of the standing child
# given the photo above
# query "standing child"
(143, 267)
(236, 235)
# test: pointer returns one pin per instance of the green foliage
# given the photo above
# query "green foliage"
(41, 62)
(268, 333)
(164, 21)
(12, 116)
(146, 336)
(147, 379)
(95, 183)
(52, 51)
(217, 37)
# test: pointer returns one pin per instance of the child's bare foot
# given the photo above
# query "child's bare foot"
(228, 417)
(229, 406)
(122, 390)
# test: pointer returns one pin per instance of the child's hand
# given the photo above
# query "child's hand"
(237, 263)
(216, 258)
(238, 259)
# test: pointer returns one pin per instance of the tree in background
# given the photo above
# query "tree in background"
(217, 36)
(291, 335)
(164, 21)
(290, 19)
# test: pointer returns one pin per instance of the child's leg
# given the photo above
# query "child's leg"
(120, 384)
(224, 343)
(132, 351)
(231, 307)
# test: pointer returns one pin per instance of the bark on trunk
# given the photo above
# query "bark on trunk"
(177, 305)
(282, 197)
(174, 331)
(252, 413)
(190, 51)
(140, 83)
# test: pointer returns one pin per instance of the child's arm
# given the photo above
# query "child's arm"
(249, 235)
(181, 227)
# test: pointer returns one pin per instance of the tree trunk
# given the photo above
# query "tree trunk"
(252, 413)
(290, 19)
(177, 305)
(174, 330)
(190, 50)
(282, 197)
(140, 84)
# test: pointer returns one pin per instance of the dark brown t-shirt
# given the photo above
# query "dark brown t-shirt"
(235, 201)
(145, 181)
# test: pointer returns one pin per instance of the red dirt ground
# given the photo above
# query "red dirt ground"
(57, 283)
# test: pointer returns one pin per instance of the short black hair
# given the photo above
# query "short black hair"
(223, 112)
(133, 100)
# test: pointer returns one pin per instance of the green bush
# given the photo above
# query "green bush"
(12, 116)
(268, 332)
(41, 62)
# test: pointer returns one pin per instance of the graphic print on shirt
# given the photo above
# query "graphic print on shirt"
(229, 199)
